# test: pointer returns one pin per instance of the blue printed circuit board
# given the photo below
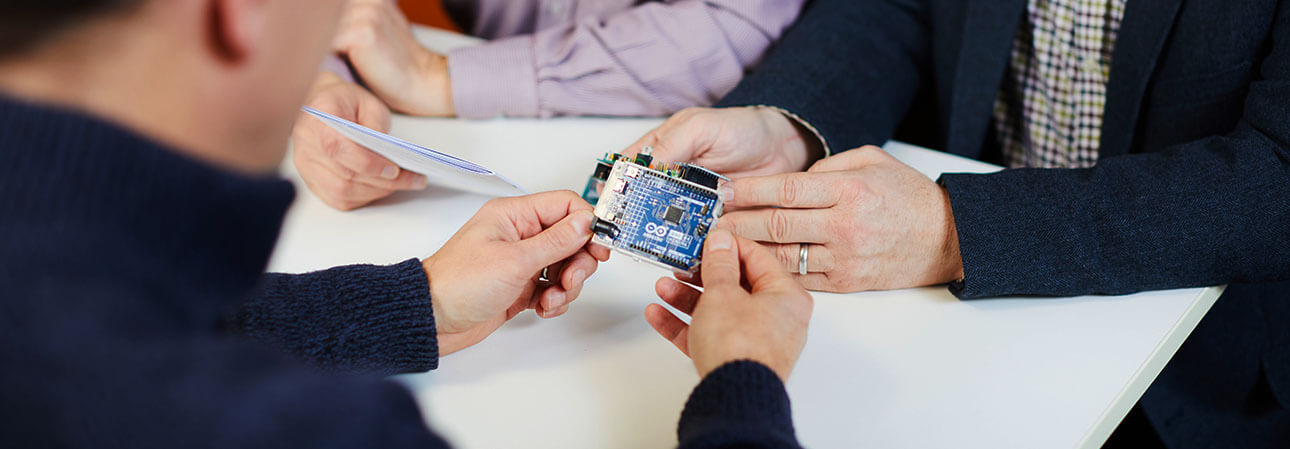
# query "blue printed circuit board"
(659, 214)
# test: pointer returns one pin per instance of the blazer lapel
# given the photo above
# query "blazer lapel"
(1146, 27)
(987, 41)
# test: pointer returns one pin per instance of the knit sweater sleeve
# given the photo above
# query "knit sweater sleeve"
(353, 318)
(740, 404)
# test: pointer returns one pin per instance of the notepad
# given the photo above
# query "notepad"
(440, 169)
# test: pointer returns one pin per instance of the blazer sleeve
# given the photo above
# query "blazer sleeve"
(355, 318)
(651, 60)
(847, 69)
(1207, 212)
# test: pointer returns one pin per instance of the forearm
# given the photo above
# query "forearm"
(651, 60)
(848, 69)
(209, 391)
(740, 404)
(361, 317)
(1205, 213)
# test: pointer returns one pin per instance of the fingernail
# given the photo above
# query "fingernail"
(420, 183)
(390, 172)
(720, 239)
(557, 300)
(579, 276)
(727, 193)
(582, 221)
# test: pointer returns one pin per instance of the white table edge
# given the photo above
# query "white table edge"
(1150, 369)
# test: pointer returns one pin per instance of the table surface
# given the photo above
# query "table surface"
(910, 368)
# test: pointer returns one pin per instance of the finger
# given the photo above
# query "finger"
(851, 160)
(551, 300)
(557, 312)
(533, 213)
(720, 260)
(372, 112)
(549, 275)
(779, 225)
(575, 275)
(338, 190)
(792, 190)
(600, 252)
(356, 27)
(374, 169)
(547, 288)
(684, 141)
(695, 279)
(763, 270)
(819, 259)
(821, 282)
(679, 139)
(558, 242)
(669, 326)
(677, 294)
(652, 137)
(646, 140)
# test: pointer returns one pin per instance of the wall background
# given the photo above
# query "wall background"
(427, 12)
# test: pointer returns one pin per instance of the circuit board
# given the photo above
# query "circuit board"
(658, 213)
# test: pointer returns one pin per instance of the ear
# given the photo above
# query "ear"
(237, 27)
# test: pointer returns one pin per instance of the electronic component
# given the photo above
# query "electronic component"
(674, 215)
(659, 213)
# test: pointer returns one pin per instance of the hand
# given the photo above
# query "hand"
(735, 142)
(378, 41)
(342, 173)
(872, 223)
(488, 272)
(765, 321)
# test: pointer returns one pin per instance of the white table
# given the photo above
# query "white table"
(911, 368)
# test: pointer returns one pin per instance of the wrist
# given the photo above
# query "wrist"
(802, 144)
(436, 302)
(433, 91)
(952, 257)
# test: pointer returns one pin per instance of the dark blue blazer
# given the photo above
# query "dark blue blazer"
(1192, 189)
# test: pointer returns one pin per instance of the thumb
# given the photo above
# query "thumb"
(851, 159)
(720, 260)
(679, 139)
(558, 242)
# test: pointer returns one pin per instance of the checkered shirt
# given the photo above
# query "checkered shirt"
(1050, 106)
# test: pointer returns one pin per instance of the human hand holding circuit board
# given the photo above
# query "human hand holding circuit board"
(657, 213)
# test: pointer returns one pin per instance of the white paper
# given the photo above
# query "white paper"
(441, 169)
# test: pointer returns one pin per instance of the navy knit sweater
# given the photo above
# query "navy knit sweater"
(134, 313)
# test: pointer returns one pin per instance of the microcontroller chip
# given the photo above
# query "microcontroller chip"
(657, 213)
(674, 215)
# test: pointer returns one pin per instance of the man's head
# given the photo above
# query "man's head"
(219, 79)
(27, 24)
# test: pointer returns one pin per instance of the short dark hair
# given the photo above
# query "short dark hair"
(25, 24)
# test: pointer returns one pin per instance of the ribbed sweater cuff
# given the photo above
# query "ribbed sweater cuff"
(352, 318)
(398, 310)
(739, 403)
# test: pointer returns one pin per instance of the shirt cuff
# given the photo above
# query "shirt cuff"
(803, 123)
(498, 78)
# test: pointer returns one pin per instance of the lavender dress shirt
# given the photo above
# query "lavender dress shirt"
(608, 57)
